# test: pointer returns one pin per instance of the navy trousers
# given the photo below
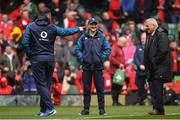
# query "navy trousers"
(42, 73)
(142, 93)
(99, 84)
(156, 87)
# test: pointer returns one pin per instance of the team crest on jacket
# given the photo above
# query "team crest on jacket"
(44, 36)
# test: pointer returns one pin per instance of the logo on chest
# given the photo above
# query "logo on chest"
(44, 35)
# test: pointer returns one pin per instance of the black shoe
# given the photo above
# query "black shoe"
(138, 104)
(102, 112)
(156, 112)
(116, 104)
(84, 112)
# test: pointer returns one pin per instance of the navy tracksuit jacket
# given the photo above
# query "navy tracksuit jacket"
(38, 41)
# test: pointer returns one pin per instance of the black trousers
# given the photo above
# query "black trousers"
(116, 89)
(99, 84)
(156, 88)
(142, 93)
(42, 73)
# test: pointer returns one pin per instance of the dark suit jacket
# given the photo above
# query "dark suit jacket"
(157, 56)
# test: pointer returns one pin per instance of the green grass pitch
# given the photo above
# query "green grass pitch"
(71, 112)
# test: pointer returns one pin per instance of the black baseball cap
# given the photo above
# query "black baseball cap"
(92, 20)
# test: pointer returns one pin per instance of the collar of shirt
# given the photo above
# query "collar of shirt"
(92, 34)
(152, 33)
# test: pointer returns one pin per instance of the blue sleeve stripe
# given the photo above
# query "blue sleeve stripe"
(78, 50)
(26, 39)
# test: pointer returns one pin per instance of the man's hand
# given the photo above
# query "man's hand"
(81, 28)
(142, 67)
(121, 66)
(6, 69)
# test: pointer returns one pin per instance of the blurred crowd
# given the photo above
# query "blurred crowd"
(116, 18)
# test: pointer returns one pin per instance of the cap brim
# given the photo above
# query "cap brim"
(93, 23)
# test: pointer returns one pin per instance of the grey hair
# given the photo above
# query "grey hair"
(152, 21)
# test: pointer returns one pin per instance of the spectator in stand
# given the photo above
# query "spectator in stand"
(168, 10)
(175, 16)
(16, 13)
(115, 10)
(107, 77)
(169, 96)
(11, 63)
(147, 8)
(95, 6)
(29, 84)
(109, 23)
(60, 51)
(41, 7)
(173, 47)
(16, 43)
(79, 83)
(71, 17)
(6, 26)
(65, 84)
(5, 89)
(58, 8)
(16, 34)
(134, 31)
(112, 38)
(117, 60)
(140, 70)
(56, 87)
(129, 11)
(18, 87)
(161, 10)
(76, 6)
(69, 80)
(24, 20)
(3, 43)
(71, 51)
(31, 7)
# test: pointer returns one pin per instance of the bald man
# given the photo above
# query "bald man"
(117, 60)
(157, 63)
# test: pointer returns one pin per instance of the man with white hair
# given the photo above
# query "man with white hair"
(157, 63)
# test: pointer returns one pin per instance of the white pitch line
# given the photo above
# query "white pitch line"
(114, 116)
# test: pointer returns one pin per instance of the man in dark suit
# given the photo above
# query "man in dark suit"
(157, 63)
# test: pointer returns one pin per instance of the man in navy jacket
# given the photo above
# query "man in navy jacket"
(92, 50)
(140, 72)
(38, 41)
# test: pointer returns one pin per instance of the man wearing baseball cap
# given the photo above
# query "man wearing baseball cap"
(92, 50)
